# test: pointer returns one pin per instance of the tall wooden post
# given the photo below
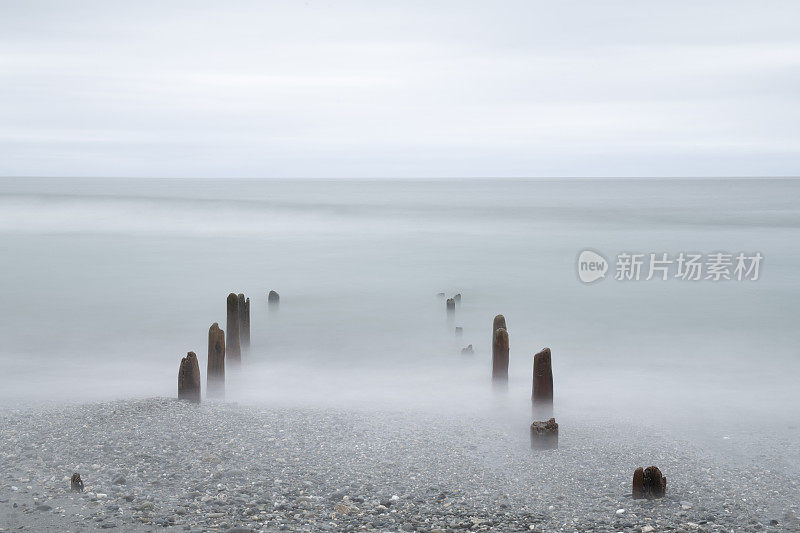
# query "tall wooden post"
(500, 349)
(215, 373)
(542, 390)
(233, 352)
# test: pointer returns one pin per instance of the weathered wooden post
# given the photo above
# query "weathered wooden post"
(544, 435)
(499, 322)
(457, 298)
(648, 483)
(233, 352)
(244, 322)
(459, 331)
(274, 299)
(500, 358)
(189, 378)
(451, 308)
(215, 373)
(542, 390)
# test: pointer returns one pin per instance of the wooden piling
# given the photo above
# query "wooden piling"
(499, 322)
(500, 349)
(542, 390)
(451, 308)
(189, 378)
(544, 435)
(215, 373)
(273, 299)
(649, 483)
(233, 351)
(244, 323)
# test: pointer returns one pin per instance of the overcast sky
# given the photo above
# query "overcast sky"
(377, 88)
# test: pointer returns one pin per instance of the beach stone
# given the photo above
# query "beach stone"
(118, 480)
(215, 372)
(189, 378)
(544, 435)
(500, 350)
(76, 483)
(542, 390)
(233, 353)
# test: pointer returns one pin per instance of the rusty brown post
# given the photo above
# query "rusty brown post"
(189, 378)
(233, 352)
(542, 390)
(215, 373)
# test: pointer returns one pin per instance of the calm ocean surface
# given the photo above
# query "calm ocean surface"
(107, 283)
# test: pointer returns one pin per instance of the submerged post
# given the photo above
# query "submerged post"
(215, 373)
(273, 299)
(451, 308)
(542, 390)
(500, 358)
(189, 378)
(457, 298)
(233, 352)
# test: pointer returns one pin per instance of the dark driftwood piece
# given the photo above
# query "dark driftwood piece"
(233, 352)
(500, 357)
(544, 435)
(542, 390)
(189, 378)
(648, 483)
(215, 373)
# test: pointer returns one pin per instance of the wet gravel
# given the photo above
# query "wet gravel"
(159, 463)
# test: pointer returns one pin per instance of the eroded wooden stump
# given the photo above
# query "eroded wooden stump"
(542, 390)
(451, 308)
(215, 373)
(544, 435)
(233, 351)
(457, 298)
(649, 483)
(459, 331)
(76, 483)
(468, 350)
(500, 357)
(189, 378)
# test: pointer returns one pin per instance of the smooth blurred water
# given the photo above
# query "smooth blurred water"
(106, 284)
